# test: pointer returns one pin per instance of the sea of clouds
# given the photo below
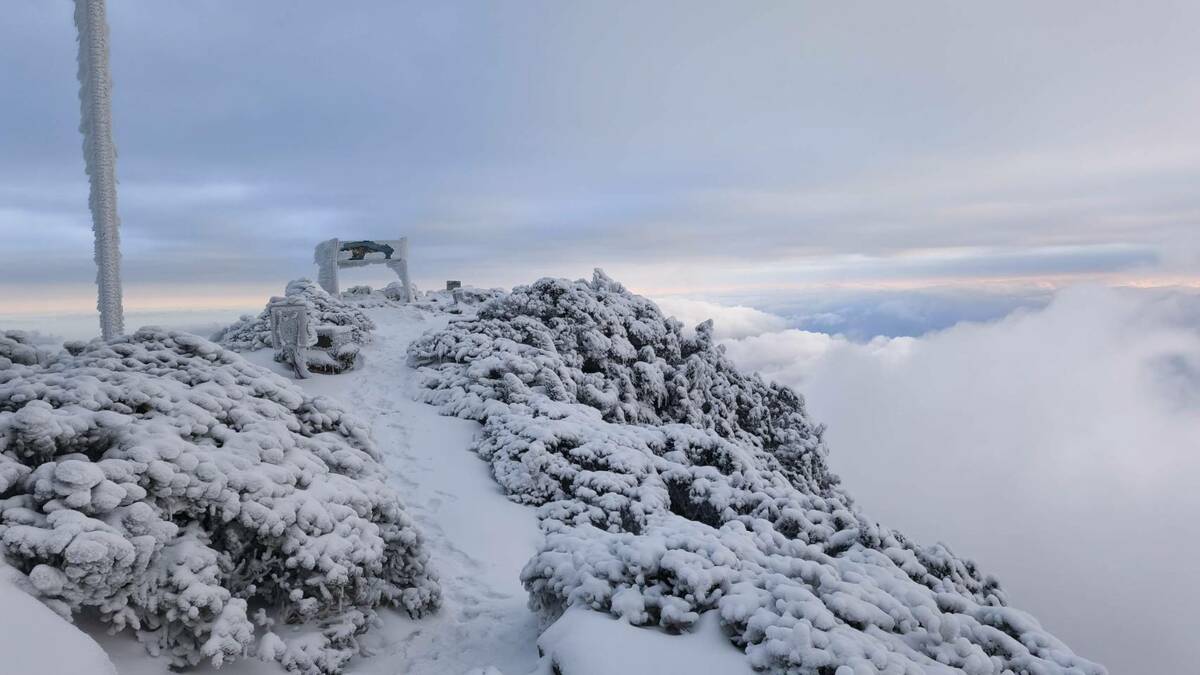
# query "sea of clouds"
(1058, 446)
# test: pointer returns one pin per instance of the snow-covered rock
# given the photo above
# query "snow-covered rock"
(672, 486)
(171, 487)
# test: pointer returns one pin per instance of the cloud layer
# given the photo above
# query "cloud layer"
(728, 322)
(1058, 447)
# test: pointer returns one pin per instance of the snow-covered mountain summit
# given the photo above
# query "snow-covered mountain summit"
(655, 501)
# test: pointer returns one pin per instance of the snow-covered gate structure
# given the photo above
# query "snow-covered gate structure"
(332, 254)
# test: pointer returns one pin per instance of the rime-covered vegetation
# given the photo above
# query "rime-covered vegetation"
(670, 484)
(254, 332)
(169, 487)
(17, 346)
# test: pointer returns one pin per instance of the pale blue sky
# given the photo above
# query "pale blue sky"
(702, 148)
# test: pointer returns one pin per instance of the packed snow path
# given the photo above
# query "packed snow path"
(477, 538)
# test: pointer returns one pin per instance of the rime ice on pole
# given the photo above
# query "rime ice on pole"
(100, 159)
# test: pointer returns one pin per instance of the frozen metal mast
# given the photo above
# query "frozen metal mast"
(100, 158)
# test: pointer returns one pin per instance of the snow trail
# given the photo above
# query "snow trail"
(477, 538)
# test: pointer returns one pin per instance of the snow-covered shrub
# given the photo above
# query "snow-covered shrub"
(457, 299)
(670, 484)
(395, 291)
(170, 486)
(254, 332)
(18, 346)
(336, 351)
(472, 295)
(383, 297)
(599, 345)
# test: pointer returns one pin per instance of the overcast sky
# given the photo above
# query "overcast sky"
(701, 148)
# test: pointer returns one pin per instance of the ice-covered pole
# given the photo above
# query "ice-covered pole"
(100, 159)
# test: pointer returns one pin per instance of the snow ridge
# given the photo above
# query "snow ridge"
(177, 490)
(670, 484)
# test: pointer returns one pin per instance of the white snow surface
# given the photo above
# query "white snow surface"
(583, 642)
(33, 639)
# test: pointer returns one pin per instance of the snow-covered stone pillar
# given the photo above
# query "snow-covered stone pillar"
(399, 265)
(100, 160)
(326, 258)
(292, 333)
